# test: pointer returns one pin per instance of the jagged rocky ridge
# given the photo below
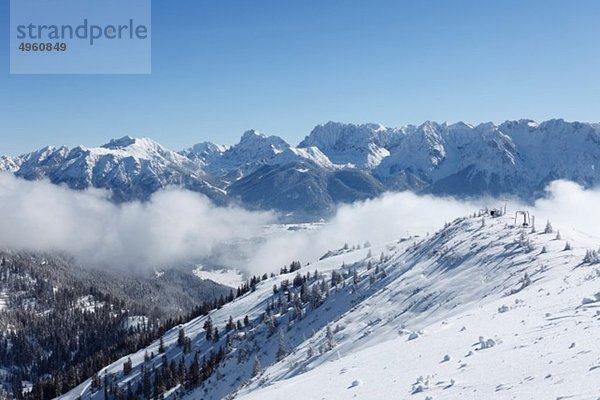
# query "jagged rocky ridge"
(335, 163)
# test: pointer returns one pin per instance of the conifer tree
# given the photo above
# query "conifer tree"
(208, 326)
(280, 346)
(256, 369)
(181, 337)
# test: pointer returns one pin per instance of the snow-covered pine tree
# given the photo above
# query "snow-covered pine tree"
(280, 346)
(256, 368)
(208, 327)
(127, 366)
(310, 353)
(181, 337)
(329, 339)
(591, 257)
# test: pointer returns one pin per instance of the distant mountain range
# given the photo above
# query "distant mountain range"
(335, 163)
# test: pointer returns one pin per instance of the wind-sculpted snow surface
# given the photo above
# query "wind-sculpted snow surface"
(480, 309)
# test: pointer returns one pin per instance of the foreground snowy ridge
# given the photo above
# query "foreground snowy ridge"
(481, 309)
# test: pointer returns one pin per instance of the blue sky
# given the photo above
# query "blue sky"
(221, 67)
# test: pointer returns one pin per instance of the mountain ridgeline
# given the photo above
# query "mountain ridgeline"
(420, 318)
(335, 163)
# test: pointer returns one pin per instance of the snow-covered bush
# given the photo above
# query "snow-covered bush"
(329, 339)
(256, 369)
(524, 242)
(420, 385)
(591, 257)
(486, 344)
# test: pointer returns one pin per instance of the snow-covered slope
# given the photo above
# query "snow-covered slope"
(459, 159)
(557, 148)
(304, 190)
(481, 309)
(253, 151)
(10, 164)
(205, 153)
(359, 146)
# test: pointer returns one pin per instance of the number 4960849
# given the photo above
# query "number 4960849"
(24, 46)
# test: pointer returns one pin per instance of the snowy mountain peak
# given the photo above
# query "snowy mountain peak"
(254, 140)
(144, 148)
(121, 143)
(251, 134)
(131, 168)
(207, 148)
(349, 144)
(204, 153)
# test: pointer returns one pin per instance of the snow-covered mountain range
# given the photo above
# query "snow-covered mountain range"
(335, 163)
(481, 309)
(130, 168)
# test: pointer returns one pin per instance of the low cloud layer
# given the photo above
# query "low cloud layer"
(569, 206)
(386, 218)
(175, 226)
(179, 227)
(394, 215)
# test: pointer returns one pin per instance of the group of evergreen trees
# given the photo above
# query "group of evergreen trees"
(59, 328)
(156, 379)
(59, 352)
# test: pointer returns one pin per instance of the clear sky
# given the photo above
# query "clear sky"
(221, 67)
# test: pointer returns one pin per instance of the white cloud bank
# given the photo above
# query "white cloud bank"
(178, 226)
(386, 218)
(394, 215)
(174, 226)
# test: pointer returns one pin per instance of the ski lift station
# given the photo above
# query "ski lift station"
(522, 218)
